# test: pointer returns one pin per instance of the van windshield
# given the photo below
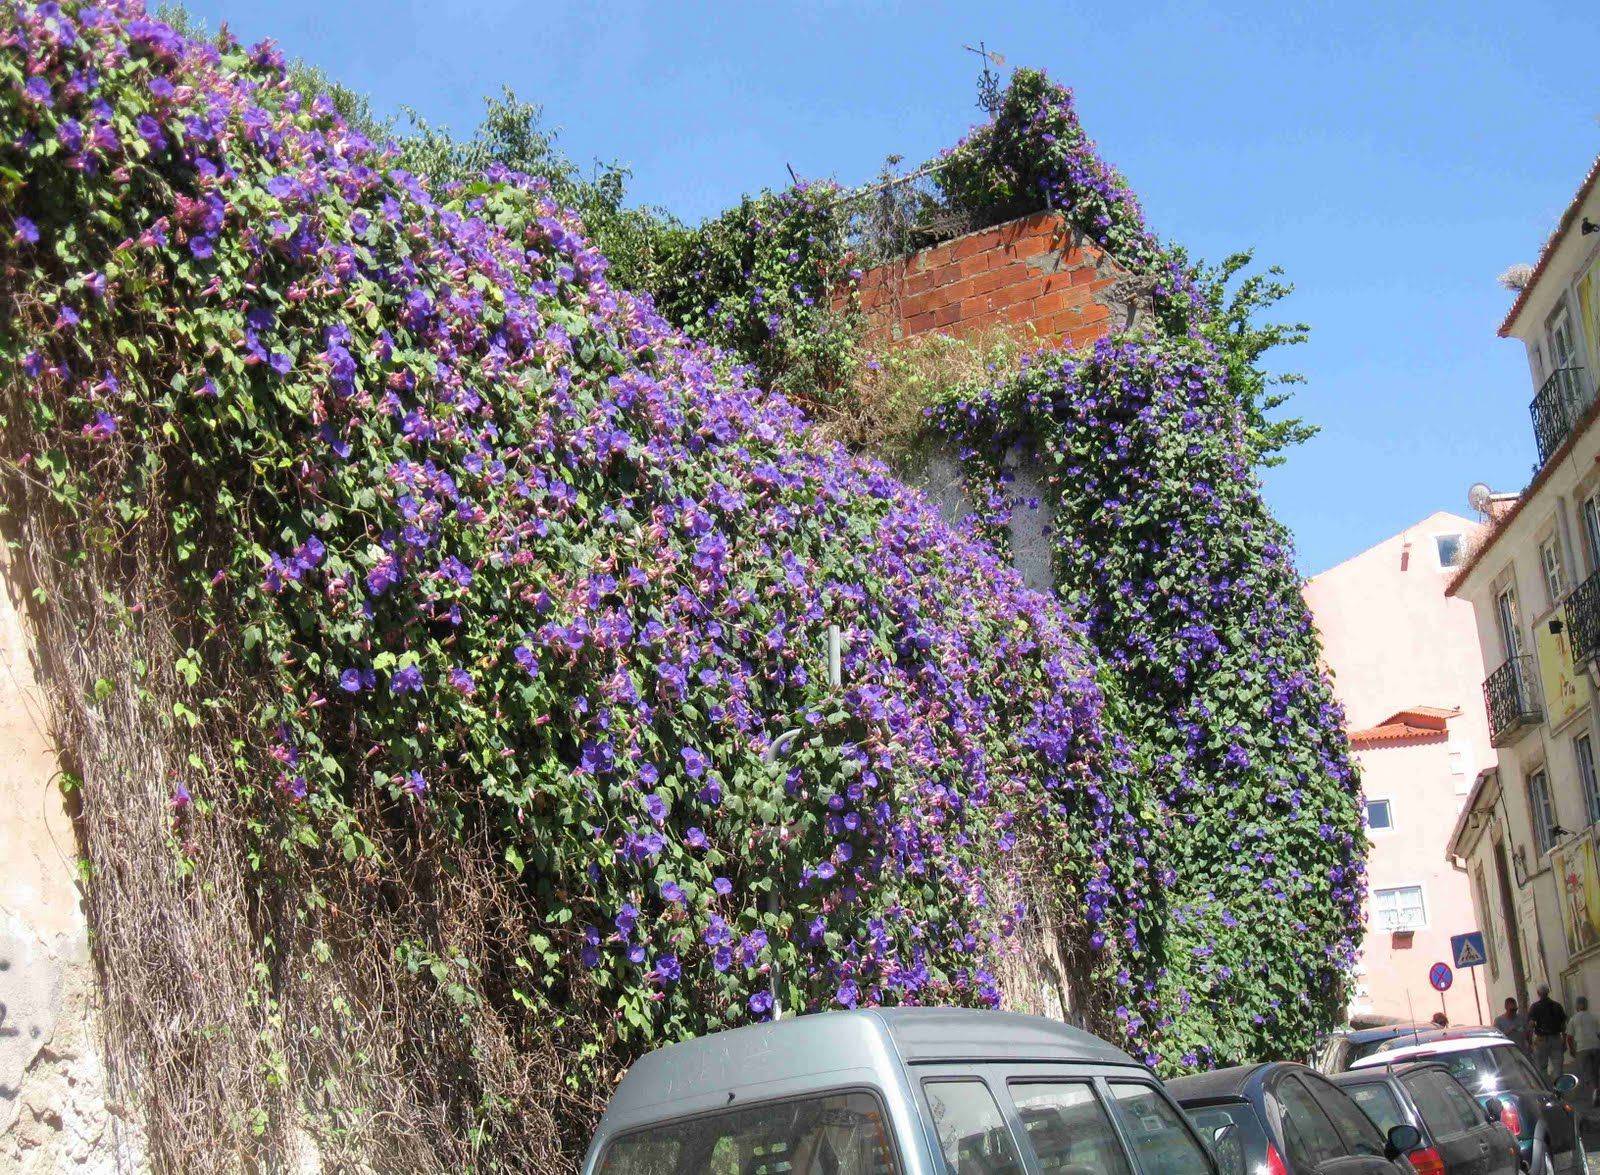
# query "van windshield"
(836, 1134)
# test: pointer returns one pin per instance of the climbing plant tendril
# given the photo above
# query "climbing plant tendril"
(482, 580)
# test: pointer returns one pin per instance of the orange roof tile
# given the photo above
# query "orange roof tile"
(1414, 722)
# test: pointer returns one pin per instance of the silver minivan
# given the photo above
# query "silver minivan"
(895, 1091)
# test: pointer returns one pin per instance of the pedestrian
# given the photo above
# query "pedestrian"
(1548, 1020)
(1583, 1038)
(1512, 1024)
(1440, 1020)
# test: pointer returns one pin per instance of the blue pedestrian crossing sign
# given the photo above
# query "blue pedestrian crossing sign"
(1468, 949)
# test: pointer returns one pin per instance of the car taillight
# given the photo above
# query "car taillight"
(1509, 1118)
(1427, 1161)
(1275, 1162)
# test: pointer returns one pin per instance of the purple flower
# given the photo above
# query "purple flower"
(761, 1003)
(406, 680)
(27, 232)
(671, 891)
(415, 784)
(38, 90)
(655, 807)
(694, 763)
(722, 885)
(103, 428)
(695, 838)
(668, 969)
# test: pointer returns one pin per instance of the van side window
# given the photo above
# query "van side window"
(1161, 1140)
(972, 1134)
(836, 1134)
(1067, 1127)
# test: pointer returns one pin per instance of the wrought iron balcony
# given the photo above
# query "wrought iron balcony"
(1558, 407)
(1583, 621)
(1511, 694)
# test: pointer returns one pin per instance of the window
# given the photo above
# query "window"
(1486, 920)
(1449, 546)
(1430, 1090)
(1377, 1102)
(1357, 1130)
(1555, 579)
(1583, 752)
(1067, 1127)
(1399, 908)
(1307, 1133)
(972, 1134)
(841, 1132)
(1560, 347)
(1379, 816)
(1246, 1137)
(1590, 513)
(1159, 1135)
(1506, 613)
(1541, 811)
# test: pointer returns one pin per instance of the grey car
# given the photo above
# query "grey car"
(889, 1091)
(1288, 1119)
(1459, 1136)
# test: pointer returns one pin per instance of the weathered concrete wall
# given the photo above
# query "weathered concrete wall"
(54, 1114)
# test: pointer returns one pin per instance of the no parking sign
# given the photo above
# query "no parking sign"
(1441, 977)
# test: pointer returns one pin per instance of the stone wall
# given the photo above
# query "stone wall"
(54, 1113)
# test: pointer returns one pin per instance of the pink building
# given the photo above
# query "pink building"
(1407, 666)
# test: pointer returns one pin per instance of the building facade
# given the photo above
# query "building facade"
(1527, 835)
(1406, 665)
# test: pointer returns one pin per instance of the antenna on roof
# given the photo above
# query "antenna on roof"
(1480, 497)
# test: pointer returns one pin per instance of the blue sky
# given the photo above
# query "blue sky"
(1392, 157)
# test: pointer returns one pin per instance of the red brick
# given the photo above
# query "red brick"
(1030, 247)
(947, 315)
(1057, 299)
(1024, 290)
(975, 243)
(921, 283)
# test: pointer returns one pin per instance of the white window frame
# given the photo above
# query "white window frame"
(1541, 811)
(1395, 927)
(1438, 550)
(1508, 619)
(1388, 806)
(1588, 781)
(1559, 326)
(1589, 513)
(1555, 573)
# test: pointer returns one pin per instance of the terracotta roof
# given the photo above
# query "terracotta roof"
(1550, 245)
(1417, 722)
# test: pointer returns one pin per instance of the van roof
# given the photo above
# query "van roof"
(834, 1049)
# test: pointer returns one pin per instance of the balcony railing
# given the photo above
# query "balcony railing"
(1558, 407)
(1583, 621)
(1512, 697)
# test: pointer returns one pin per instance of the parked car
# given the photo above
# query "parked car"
(1460, 1136)
(1490, 1066)
(1288, 1119)
(1340, 1051)
(885, 1091)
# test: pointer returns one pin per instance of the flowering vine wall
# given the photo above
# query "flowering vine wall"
(479, 569)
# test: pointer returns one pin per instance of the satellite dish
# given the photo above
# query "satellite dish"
(1479, 497)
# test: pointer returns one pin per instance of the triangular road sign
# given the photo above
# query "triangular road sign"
(1468, 955)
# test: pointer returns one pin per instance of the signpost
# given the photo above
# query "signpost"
(1469, 952)
(1441, 977)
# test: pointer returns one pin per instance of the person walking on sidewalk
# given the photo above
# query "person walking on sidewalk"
(1548, 1020)
(1583, 1038)
(1512, 1024)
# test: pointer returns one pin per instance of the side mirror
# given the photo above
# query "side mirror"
(1493, 1108)
(1567, 1083)
(1224, 1134)
(1403, 1139)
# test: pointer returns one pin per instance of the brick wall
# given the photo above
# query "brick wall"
(1026, 271)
